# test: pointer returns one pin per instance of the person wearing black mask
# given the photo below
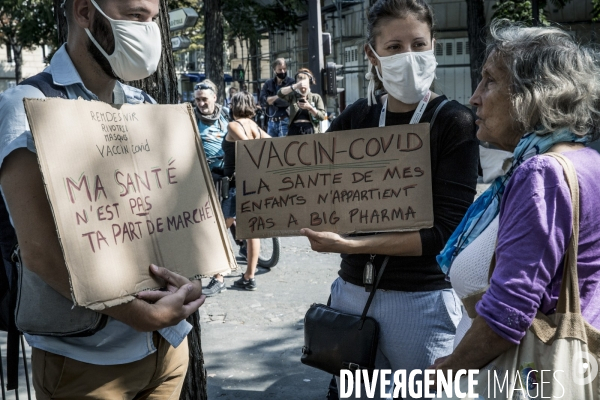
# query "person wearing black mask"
(276, 108)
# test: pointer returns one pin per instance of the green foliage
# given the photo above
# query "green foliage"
(521, 10)
(596, 10)
(174, 4)
(27, 23)
(245, 18)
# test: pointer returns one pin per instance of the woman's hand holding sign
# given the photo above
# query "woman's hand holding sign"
(326, 242)
(389, 244)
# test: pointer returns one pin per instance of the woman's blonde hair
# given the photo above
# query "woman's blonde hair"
(554, 82)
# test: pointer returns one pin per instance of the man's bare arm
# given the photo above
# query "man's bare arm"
(23, 188)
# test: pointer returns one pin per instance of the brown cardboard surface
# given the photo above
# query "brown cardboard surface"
(128, 186)
(366, 180)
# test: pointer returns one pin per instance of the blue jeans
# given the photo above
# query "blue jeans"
(279, 128)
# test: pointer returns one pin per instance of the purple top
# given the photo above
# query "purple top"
(534, 231)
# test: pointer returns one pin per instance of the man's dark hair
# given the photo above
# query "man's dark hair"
(67, 6)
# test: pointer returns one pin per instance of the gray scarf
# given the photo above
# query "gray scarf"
(208, 119)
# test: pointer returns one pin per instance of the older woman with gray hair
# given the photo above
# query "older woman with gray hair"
(539, 93)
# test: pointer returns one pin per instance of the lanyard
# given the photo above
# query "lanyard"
(416, 116)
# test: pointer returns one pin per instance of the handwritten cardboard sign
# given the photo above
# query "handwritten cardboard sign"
(366, 180)
(128, 186)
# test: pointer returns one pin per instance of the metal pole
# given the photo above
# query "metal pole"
(535, 11)
(315, 45)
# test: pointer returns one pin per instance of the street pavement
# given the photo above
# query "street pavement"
(252, 341)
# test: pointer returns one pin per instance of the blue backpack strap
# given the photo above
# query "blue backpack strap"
(147, 98)
(44, 82)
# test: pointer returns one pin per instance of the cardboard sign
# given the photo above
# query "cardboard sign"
(366, 180)
(128, 186)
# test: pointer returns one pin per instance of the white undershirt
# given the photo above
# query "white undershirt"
(470, 269)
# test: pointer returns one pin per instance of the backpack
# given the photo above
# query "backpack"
(8, 295)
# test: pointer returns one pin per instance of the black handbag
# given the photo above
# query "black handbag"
(334, 340)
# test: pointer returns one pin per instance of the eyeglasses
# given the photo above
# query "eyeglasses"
(203, 86)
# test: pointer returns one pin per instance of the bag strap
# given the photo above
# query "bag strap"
(437, 110)
(45, 84)
(363, 317)
(568, 300)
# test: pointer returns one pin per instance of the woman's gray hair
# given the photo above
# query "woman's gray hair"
(554, 82)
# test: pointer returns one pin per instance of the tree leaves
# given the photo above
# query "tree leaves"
(596, 10)
(246, 18)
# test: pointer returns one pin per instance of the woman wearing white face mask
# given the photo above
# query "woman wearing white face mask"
(417, 310)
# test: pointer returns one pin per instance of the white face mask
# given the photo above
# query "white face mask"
(406, 76)
(493, 163)
(137, 47)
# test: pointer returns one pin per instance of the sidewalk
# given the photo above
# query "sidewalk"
(252, 341)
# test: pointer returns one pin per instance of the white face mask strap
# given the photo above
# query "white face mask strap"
(371, 99)
(97, 44)
(100, 10)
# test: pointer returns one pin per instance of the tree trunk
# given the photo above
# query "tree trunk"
(194, 387)
(162, 85)
(213, 45)
(255, 64)
(9, 57)
(477, 33)
(61, 22)
(18, 59)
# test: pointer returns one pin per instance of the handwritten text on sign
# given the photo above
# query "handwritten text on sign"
(367, 180)
(129, 186)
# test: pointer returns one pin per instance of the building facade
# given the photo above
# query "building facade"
(346, 21)
(33, 63)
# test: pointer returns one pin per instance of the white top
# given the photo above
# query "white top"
(470, 269)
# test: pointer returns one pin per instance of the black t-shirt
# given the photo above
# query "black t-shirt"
(454, 161)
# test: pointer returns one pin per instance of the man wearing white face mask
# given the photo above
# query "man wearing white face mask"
(140, 348)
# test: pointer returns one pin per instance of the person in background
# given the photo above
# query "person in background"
(275, 108)
(212, 121)
(242, 127)
(306, 108)
(537, 95)
(212, 124)
(232, 90)
(416, 308)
